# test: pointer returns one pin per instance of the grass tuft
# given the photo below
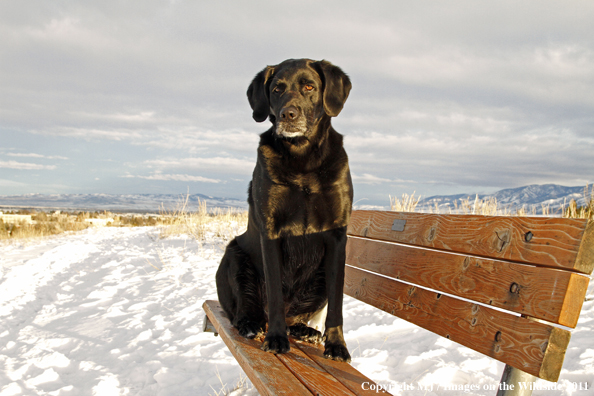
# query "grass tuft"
(223, 224)
(574, 211)
(406, 204)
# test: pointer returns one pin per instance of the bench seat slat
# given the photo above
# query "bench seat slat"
(531, 346)
(543, 293)
(314, 377)
(345, 373)
(263, 368)
(301, 371)
(553, 242)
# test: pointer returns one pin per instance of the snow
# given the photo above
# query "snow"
(117, 311)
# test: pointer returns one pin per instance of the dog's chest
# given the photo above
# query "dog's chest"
(304, 209)
(293, 203)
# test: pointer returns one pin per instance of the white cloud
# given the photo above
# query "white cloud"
(12, 184)
(178, 177)
(216, 165)
(367, 178)
(193, 140)
(91, 133)
(34, 155)
(159, 133)
(24, 165)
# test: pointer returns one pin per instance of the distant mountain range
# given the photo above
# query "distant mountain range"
(534, 196)
(551, 195)
(116, 202)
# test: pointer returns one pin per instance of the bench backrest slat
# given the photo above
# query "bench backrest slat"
(468, 278)
(553, 242)
(531, 346)
(543, 293)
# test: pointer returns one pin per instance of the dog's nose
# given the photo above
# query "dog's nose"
(289, 113)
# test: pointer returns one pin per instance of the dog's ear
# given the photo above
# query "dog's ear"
(258, 94)
(337, 86)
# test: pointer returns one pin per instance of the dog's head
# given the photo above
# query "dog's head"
(296, 94)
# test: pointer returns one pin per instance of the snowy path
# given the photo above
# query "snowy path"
(117, 311)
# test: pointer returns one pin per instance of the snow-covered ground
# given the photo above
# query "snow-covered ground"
(117, 311)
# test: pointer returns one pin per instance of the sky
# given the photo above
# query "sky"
(149, 97)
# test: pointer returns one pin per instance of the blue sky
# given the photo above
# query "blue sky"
(129, 97)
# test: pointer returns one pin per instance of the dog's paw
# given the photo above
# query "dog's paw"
(248, 328)
(337, 352)
(334, 345)
(276, 344)
(305, 333)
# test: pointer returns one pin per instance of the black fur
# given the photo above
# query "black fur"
(290, 262)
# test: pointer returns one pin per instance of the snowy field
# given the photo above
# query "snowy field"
(117, 311)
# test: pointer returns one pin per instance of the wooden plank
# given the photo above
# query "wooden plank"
(267, 373)
(545, 241)
(544, 293)
(314, 377)
(576, 295)
(585, 257)
(351, 378)
(533, 347)
(303, 367)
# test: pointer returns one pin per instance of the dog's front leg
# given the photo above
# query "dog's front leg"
(334, 261)
(276, 340)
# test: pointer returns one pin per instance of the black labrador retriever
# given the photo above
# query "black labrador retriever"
(290, 262)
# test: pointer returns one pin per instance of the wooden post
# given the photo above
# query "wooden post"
(209, 327)
(515, 382)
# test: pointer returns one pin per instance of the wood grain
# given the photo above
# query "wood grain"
(585, 259)
(343, 372)
(267, 373)
(544, 293)
(312, 375)
(552, 242)
(302, 371)
(514, 340)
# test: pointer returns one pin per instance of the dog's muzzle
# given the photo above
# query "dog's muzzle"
(291, 123)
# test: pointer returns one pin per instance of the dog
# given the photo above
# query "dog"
(288, 266)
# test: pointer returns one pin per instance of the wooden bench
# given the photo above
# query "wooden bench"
(508, 287)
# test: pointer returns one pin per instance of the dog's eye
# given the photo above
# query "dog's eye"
(309, 87)
(277, 90)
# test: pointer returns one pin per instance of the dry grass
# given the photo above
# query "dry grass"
(242, 386)
(223, 224)
(42, 226)
(490, 207)
(483, 207)
(406, 204)
(581, 212)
